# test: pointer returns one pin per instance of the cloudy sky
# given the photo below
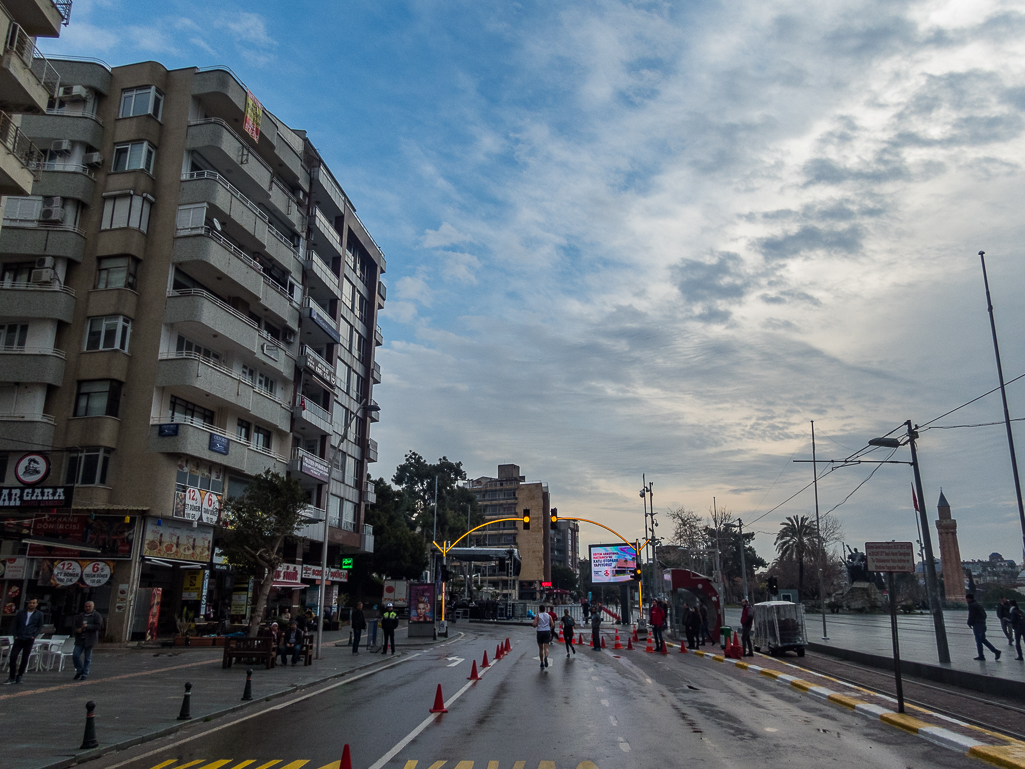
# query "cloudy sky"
(653, 237)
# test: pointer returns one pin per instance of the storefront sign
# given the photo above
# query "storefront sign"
(107, 532)
(347, 563)
(192, 504)
(121, 605)
(287, 575)
(219, 443)
(167, 430)
(96, 573)
(253, 116)
(13, 568)
(240, 596)
(314, 468)
(333, 575)
(65, 573)
(176, 541)
(32, 469)
(68, 572)
(11, 599)
(319, 369)
(326, 324)
(21, 497)
(192, 584)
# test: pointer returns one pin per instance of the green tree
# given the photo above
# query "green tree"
(563, 577)
(399, 553)
(796, 540)
(256, 525)
(416, 477)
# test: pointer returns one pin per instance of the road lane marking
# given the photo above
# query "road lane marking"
(492, 765)
(222, 762)
(410, 765)
(519, 765)
(464, 765)
(437, 765)
(456, 661)
(244, 764)
(269, 764)
(605, 703)
(613, 721)
(83, 684)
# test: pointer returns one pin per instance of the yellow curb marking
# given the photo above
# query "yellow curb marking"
(904, 721)
(1009, 756)
(843, 699)
(769, 673)
(741, 665)
(718, 658)
(804, 686)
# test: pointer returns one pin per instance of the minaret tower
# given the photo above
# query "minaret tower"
(950, 553)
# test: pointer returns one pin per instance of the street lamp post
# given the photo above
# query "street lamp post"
(368, 406)
(818, 530)
(942, 650)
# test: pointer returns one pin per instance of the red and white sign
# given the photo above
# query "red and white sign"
(66, 573)
(32, 469)
(287, 575)
(13, 568)
(96, 573)
(333, 575)
(896, 557)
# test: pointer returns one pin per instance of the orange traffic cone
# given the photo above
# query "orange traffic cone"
(485, 663)
(473, 673)
(603, 642)
(498, 652)
(561, 638)
(635, 633)
(683, 647)
(738, 650)
(629, 644)
(665, 649)
(346, 762)
(650, 647)
(508, 646)
(439, 702)
(617, 644)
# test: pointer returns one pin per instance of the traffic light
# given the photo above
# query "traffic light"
(637, 572)
(555, 515)
(773, 586)
(526, 520)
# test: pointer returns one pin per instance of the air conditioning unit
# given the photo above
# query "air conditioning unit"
(54, 215)
(289, 336)
(61, 145)
(93, 159)
(43, 276)
(53, 201)
(74, 92)
(44, 263)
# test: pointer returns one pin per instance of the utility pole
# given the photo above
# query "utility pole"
(818, 529)
(743, 561)
(718, 562)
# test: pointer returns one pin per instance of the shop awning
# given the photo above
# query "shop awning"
(176, 562)
(291, 585)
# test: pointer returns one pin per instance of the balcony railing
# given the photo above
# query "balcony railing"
(64, 9)
(176, 355)
(33, 351)
(20, 145)
(35, 224)
(277, 234)
(227, 245)
(311, 302)
(21, 43)
(10, 416)
(182, 419)
(229, 187)
(58, 165)
(23, 286)
(243, 142)
(306, 404)
(309, 352)
(231, 310)
(348, 525)
(328, 229)
(72, 112)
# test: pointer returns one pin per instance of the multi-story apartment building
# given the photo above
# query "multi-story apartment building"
(565, 544)
(189, 300)
(509, 495)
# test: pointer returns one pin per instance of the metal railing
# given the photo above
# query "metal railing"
(311, 353)
(68, 112)
(176, 355)
(20, 145)
(231, 310)
(205, 426)
(229, 187)
(35, 224)
(61, 166)
(7, 349)
(64, 9)
(245, 145)
(10, 416)
(311, 302)
(21, 285)
(209, 232)
(21, 43)
(306, 404)
(348, 525)
(277, 234)
(328, 229)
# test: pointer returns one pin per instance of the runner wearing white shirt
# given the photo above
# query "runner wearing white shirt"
(543, 624)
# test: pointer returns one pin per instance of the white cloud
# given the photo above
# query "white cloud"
(445, 235)
(460, 267)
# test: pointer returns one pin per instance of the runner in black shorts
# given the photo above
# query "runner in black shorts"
(543, 625)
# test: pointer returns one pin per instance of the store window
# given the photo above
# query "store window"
(199, 475)
(88, 467)
(98, 397)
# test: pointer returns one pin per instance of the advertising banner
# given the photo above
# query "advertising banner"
(13, 568)
(192, 504)
(174, 541)
(107, 532)
(314, 468)
(612, 563)
(254, 116)
(68, 572)
(192, 584)
(153, 620)
(421, 602)
(28, 497)
(333, 575)
(897, 557)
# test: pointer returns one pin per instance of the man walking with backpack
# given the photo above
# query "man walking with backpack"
(977, 622)
(567, 631)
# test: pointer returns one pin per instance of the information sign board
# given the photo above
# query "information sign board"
(897, 557)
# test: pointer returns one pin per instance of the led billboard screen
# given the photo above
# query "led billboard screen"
(612, 563)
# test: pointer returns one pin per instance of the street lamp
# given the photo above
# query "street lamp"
(929, 567)
(368, 406)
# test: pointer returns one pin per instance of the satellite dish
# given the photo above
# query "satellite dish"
(217, 225)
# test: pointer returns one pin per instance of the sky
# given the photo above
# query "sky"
(659, 239)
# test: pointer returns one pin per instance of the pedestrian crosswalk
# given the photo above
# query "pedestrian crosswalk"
(252, 763)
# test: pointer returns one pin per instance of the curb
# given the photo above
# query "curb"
(89, 755)
(1009, 756)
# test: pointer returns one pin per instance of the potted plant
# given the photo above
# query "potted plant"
(184, 624)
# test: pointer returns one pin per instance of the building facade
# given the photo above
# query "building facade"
(565, 544)
(950, 553)
(193, 301)
(510, 495)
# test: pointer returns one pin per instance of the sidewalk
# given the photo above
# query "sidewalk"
(138, 695)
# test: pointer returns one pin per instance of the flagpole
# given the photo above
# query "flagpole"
(921, 546)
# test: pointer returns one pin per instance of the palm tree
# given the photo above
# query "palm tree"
(796, 539)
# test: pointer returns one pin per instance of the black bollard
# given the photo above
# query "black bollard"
(89, 739)
(248, 693)
(185, 713)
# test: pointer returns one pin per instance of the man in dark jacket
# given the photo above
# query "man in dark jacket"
(705, 632)
(692, 626)
(977, 622)
(747, 619)
(596, 628)
(291, 643)
(357, 623)
(88, 625)
(1004, 615)
(27, 625)
(389, 621)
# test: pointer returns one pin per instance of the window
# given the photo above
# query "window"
(108, 333)
(129, 210)
(265, 383)
(17, 272)
(183, 411)
(249, 374)
(134, 156)
(98, 397)
(243, 430)
(261, 438)
(24, 208)
(191, 217)
(88, 467)
(147, 100)
(12, 336)
(188, 347)
(116, 272)
(199, 475)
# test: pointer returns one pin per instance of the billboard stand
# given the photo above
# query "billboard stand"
(892, 557)
(421, 610)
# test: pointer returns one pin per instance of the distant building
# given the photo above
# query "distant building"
(995, 570)
(508, 496)
(565, 544)
(950, 553)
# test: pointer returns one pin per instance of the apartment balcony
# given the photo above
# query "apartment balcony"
(371, 450)
(376, 376)
(18, 431)
(242, 218)
(375, 416)
(67, 180)
(29, 238)
(205, 318)
(27, 79)
(203, 381)
(369, 493)
(227, 150)
(378, 336)
(36, 300)
(32, 364)
(317, 366)
(56, 124)
(309, 469)
(287, 206)
(311, 420)
(314, 529)
(209, 443)
(41, 18)
(319, 327)
(281, 250)
(367, 546)
(19, 159)
(321, 278)
(325, 237)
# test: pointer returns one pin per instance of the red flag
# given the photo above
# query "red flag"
(914, 500)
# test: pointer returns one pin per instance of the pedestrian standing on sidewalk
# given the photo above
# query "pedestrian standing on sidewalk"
(357, 622)
(977, 622)
(704, 632)
(657, 617)
(596, 628)
(389, 622)
(27, 625)
(88, 626)
(1003, 614)
(692, 625)
(567, 631)
(543, 626)
(1017, 618)
(747, 618)
(585, 606)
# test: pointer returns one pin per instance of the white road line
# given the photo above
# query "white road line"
(613, 721)
(605, 703)
(289, 703)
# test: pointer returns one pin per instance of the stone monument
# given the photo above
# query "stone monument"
(950, 553)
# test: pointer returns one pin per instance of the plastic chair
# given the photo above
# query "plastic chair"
(59, 651)
(6, 642)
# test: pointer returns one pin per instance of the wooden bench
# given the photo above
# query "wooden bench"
(260, 649)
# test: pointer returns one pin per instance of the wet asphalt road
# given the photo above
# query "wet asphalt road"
(612, 709)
